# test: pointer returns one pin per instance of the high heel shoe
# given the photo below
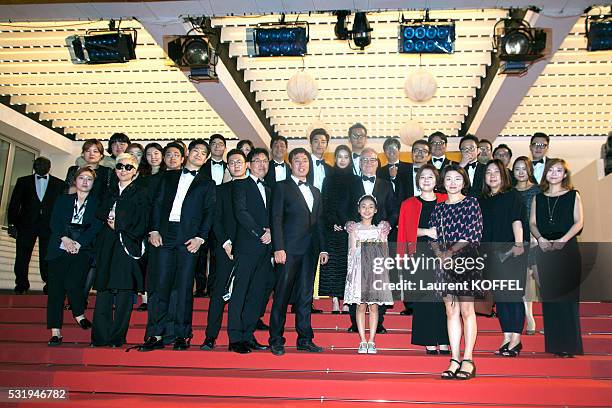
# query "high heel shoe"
(449, 374)
(514, 351)
(502, 349)
(431, 351)
(466, 375)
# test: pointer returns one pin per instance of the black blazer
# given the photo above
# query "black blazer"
(402, 182)
(224, 225)
(207, 168)
(294, 228)
(25, 210)
(198, 207)
(476, 186)
(251, 215)
(62, 217)
(270, 178)
(388, 208)
(310, 176)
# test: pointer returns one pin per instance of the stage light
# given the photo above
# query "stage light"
(102, 46)
(278, 39)
(194, 53)
(519, 45)
(361, 32)
(424, 37)
(340, 29)
(599, 33)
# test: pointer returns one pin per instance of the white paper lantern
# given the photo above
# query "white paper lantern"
(302, 88)
(420, 86)
(410, 132)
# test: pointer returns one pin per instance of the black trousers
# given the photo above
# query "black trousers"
(152, 301)
(66, 277)
(205, 271)
(176, 268)
(270, 284)
(110, 328)
(252, 274)
(216, 306)
(26, 239)
(353, 314)
(298, 270)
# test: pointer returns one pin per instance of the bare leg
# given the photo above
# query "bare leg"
(360, 317)
(469, 327)
(373, 322)
(453, 325)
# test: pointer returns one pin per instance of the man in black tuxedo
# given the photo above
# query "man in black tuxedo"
(224, 229)
(298, 241)
(358, 138)
(396, 171)
(437, 145)
(182, 215)
(279, 169)
(504, 153)
(538, 145)
(468, 145)
(29, 213)
(251, 200)
(387, 214)
(319, 169)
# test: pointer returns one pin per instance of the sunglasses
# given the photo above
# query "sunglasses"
(127, 167)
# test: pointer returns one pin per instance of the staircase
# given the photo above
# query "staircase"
(7, 262)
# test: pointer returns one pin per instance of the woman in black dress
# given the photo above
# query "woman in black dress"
(503, 213)
(413, 238)
(73, 230)
(120, 244)
(556, 220)
(92, 153)
(332, 276)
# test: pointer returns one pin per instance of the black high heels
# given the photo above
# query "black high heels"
(502, 348)
(514, 351)
(466, 375)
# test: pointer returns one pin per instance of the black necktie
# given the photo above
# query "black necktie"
(370, 179)
(438, 160)
(278, 164)
(356, 155)
(220, 163)
(40, 177)
(320, 162)
(192, 172)
(302, 183)
(541, 161)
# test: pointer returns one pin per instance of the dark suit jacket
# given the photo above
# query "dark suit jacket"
(224, 225)
(294, 228)
(62, 217)
(388, 208)
(270, 178)
(310, 176)
(198, 207)
(476, 187)
(206, 168)
(25, 210)
(403, 181)
(252, 216)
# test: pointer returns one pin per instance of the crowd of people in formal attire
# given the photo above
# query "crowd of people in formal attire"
(246, 228)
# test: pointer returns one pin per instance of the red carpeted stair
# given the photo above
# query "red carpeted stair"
(102, 377)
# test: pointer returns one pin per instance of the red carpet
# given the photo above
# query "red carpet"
(103, 377)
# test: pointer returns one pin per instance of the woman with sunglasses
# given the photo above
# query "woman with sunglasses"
(120, 245)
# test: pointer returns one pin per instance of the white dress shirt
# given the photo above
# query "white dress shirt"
(356, 165)
(471, 171)
(438, 163)
(280, 172)
(41, 185)
(538, 170)
(416, 191)
(318, 173)
(306, 193)
(368, 186)
(216, 171)
(262, 189)
(181, 191)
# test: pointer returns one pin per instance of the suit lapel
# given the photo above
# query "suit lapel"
(297, 191)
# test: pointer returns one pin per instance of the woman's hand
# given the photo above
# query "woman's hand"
(111, 223)
(544, 244)
(558, 244)
(432, 233)
(517, 249)
(69, 245)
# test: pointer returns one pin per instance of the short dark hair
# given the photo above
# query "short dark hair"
(196, 142)
(367, 197)
(506, 184)
(528, 167)
(541, 135)
(218, 136)
(392, 141)
(420, 142)
(438, 134)
(137, 145)
(296, 151)
(234, 152)
(466, 179)
(92, 142)
(319, 131)
(117, 138)
(486, 141)
(145, 168)
(502, 146)
(81, 170)
(277, 138)
(428, 166)
(357, 126)
(176, 145)
(468, 137)
(257, 151)
(41, 165)
(245, 142)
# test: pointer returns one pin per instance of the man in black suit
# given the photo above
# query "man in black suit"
(279, 169)
(182, 216)
(215, 167)
(319, 139)
(224, 229)
(358, 138)
(253, 271)
(538, 145)
(396, 171)
(298, 241)
(437, 145)
(468, 145)
(29, 213)
(387, 214)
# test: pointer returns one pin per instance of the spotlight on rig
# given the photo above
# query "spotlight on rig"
(192, 53)
(361, 32)
(103, 46)
(599, 32)
(427, 37)
(519, 45)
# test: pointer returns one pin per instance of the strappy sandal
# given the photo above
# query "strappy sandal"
(450, 375)
(466, 375)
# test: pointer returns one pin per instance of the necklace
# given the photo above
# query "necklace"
(551, 214)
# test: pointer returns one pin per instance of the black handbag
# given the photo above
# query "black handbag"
(74, 231)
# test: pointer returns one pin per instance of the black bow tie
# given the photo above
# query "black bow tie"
(356, 155)
(438, 160)
(393, 166)
(220, 163)
(320, 162)
(471, 166)
(260, 181)
(40, 177)
(192, 172)
(278, 164)
(541, 161)
(370, 179)
(302, 183)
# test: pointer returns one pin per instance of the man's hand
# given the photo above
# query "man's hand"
(266, 238)
(350, 226)
(193, 245)
(12, 231)
(338, 228)
(155, 239)
(111, 223)
(280, 257)
(323, 258)
(228, 251)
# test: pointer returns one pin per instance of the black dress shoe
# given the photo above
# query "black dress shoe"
(381, 330)
(445, 352)
(352, 329)
(151, 344)
(45, 289)
(239, 348)
(142, 307)
(261, 325)
(208, 344)
(277, 349)
(406, 312)
(254, 345)
(21, 291)
(181, 343)
(431, 351)
(85, 324)
(55, 341)
(310, 347)
(314, 311)
(564, 354)
(200, 294)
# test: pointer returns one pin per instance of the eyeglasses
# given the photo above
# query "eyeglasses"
(438, 143)
(539, 145)
(367, 160)
(235, 162)
(258, 161)
(420, 151)
(356, 136)
(127, 167)
(217, 144)
(484, 148)
(470, 149)
(172, 155)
